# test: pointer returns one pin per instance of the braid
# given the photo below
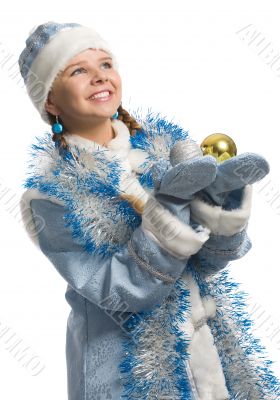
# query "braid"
(57, 136)
(123, 116)
(128, 120)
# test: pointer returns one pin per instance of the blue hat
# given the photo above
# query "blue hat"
(48, 49)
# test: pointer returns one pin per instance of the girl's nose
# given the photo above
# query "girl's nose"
(99, 77)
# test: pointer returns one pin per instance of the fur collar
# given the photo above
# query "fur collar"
(119, 146)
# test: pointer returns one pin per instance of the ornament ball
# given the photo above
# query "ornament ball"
(220, 146)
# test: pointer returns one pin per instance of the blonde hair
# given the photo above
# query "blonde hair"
(124, 116)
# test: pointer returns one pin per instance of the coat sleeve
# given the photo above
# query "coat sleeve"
(219, 250)
(136, 278)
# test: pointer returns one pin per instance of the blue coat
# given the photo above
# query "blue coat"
(143, 323)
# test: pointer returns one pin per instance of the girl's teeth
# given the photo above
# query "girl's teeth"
(103, 94)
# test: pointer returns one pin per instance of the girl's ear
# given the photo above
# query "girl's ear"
(50, 106)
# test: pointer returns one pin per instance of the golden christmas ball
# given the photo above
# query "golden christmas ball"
(220, 146)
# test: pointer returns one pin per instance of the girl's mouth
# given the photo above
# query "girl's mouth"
(102, 97)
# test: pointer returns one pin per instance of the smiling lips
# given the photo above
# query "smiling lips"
(101, 96)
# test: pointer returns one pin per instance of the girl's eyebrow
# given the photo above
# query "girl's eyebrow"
(85, 62)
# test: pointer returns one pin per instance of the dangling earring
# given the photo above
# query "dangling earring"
(115, 116)
(57, 127)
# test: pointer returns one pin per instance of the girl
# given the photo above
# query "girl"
(141, 227)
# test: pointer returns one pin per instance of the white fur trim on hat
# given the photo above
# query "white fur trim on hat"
(54, 57)
(220, 221)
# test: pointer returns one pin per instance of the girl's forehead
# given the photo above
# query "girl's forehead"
(90, 53)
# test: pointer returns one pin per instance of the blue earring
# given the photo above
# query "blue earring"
(115, 116)
(57, 127)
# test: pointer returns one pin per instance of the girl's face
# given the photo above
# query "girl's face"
(84, 75)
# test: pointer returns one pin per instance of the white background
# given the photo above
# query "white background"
(181, 58)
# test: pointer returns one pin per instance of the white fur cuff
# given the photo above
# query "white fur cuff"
(220, 221)
(176, 237)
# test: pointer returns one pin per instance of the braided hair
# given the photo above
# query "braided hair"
(131, 123)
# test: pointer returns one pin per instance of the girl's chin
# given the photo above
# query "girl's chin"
(95, 115)
(103, 112)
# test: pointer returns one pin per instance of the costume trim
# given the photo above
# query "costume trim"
(171, 234)
(220, 221)
(204, 361)
(155, 356)
(88, 185)
(137, 159)
(148, 267)
(120, 145)
(155, 140)
(246, 368)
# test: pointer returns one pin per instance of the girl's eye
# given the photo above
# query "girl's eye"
(79, 69)
(108, 63)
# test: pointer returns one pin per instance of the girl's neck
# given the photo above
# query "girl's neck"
(101, 133)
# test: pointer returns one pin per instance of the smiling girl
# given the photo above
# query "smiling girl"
(83, 100)
(141, 231)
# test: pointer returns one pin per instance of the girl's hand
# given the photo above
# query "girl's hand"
(166, 216)
(225, 205)
(232, 177)
(184, 179)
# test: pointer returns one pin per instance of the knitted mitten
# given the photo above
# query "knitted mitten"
(225, 205)
(166, 216)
